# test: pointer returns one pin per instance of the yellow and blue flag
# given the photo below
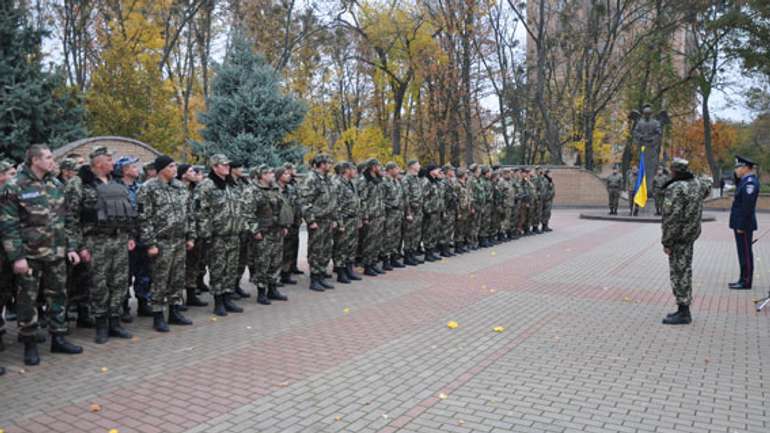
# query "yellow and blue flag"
(640, 189)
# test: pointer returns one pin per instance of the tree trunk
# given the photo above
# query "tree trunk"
(399, 91)
(707, 139)
(589, 122)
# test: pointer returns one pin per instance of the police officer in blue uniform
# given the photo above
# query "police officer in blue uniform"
(743, 219)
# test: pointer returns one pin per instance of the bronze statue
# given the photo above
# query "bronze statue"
(647, 130)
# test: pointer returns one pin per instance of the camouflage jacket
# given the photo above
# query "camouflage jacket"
(393, 195)
(33, 218)
(614, 182)
(434, 197)
(657, 183)
(317, 198)
(372, 197)
(413, 194)
(478, 193)
(266, 209)
(507, 193)
(450, 194)
(682, 210)
(463, 199)
(630, 181)
(348, 200)
(219, 205)
(549, 190)
(165, 212)
(291, 192)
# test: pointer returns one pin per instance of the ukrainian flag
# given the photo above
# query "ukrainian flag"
(640, 189)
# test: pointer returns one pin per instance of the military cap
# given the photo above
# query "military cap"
(473, 167)
(322, 158)
(236, 163)
(361, 166)
(339, 167)
(411, 162)
(264, 168)
(484, 169)
(391, 165)
(680, 164)
(279, 171)
(496, 167)
(430, 167)
(447, 168)
(65, 164)
(5, 166)
(149, 166)
(460, 172)
(253, 172)
(371, 162)
(99, 151)
(742, 161)
(218, 158)
(288, 166)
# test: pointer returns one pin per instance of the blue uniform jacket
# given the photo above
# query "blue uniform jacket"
(743, 214)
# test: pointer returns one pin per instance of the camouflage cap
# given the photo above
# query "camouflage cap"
(97, 151)
(473, 167)
(149, 166)
(484, 169)
(391, 165)
(411, 162)
(460, 172)
(288, 166)
(264, 168)
(680, 164)
(322, 158)
(66, 164)
(447, 168)
(5, 166)
(218, 158)
(371, 162)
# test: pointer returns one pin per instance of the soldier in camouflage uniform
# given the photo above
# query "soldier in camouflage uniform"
(245, 246)
(516, 209)
(6, 271)
(34, 237)
(167, 227)
(349, 214)
(373, 217)
(194, 258)
(433, 205)
(681, 227)
(219, 223)
(464, 211)
(102, 222)
(614, 186)
(449, 214)
(549, 192)
(319, 209)
(487, 230)
(395, 209)
(536, 201)
(527, 191)
(506, 202)
(291, 241)
(477, 203)
(631, 176)
(658, 194)
(413, 196)
(268, 217)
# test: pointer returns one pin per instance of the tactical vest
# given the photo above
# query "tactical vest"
(113, 207)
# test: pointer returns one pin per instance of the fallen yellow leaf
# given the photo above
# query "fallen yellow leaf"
(213, 319)
(452, 325)
(114, 430)
(95, 407)
(491, 290)
(493, 253)
(498, 329)
(337, 418)
(346, 310)
(483, 286)
(104, 369)
(135, 338)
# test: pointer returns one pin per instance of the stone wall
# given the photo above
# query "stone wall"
(724, 203)
(119, 145)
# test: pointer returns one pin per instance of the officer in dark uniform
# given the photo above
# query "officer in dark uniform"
(743, 219)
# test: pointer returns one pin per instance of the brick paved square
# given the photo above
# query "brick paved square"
(582, 350)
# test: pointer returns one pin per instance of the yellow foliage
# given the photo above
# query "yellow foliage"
(368, 142)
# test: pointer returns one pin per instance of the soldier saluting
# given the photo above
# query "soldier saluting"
(743, 220)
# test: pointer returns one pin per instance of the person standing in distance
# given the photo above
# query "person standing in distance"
(743, 219)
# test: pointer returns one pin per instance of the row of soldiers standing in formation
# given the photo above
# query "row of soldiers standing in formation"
(615, 186)
(79, 240)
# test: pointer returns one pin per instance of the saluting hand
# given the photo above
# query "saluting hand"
(131, 245)
(189, 245)
(20, 267)
(313, 226)
(152, 251)
(73, 257)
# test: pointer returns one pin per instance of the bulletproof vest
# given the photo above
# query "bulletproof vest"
(285, 214)
(113, 208)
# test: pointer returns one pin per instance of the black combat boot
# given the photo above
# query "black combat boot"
(240, 292)
(323, 283)
(546, 228)
(230, 306)
(295, 270)
(84, 317)
(286, 278)
(314, 284)
(342, 275)
(59, 344)
(262, 295)
(117, 330)
(2, 345)
(430, 256)
(193, 300)
(274, 294)
(2, 371)
(31, 357)
(395, 263)
(409, 259)
(386, 266)
(40, 337)
(202, 286)
(460, 248)
(102, 330)
(352, 276)
(369, 271)
(125, 312)
(175, 316)
(10, 311)
(219, 306)
(143, 309)
(681, 317)
(159, 322)
(377, 268)
(444, 251)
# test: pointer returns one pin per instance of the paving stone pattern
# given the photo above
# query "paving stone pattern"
(582, 350)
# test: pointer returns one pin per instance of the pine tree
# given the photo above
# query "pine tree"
(35, 105)
(248, 115)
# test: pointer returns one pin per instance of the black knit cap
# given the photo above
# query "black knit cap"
(162, 162)
(181, 170)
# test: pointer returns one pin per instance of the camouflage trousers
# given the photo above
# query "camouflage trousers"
(504, 218)
(245, 254)
(372, 241)
(268, 256)
(139, 271)
(614, 195)
(345, 242)
(413, 233)
(535, 209)
(78, 284)
(7, 288)
(319, 246)
(546, 215)
(290, 249)
(680, 270)
(462, 228)
(223, 263)
(475, 227)
(431, 230)
(513, 222)
(167, 272)
(394, 219)
(523, 217)
(109, 272)
(194, 265)
(658, 197)
(487, 222)
(448, 222)
(45, 280)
